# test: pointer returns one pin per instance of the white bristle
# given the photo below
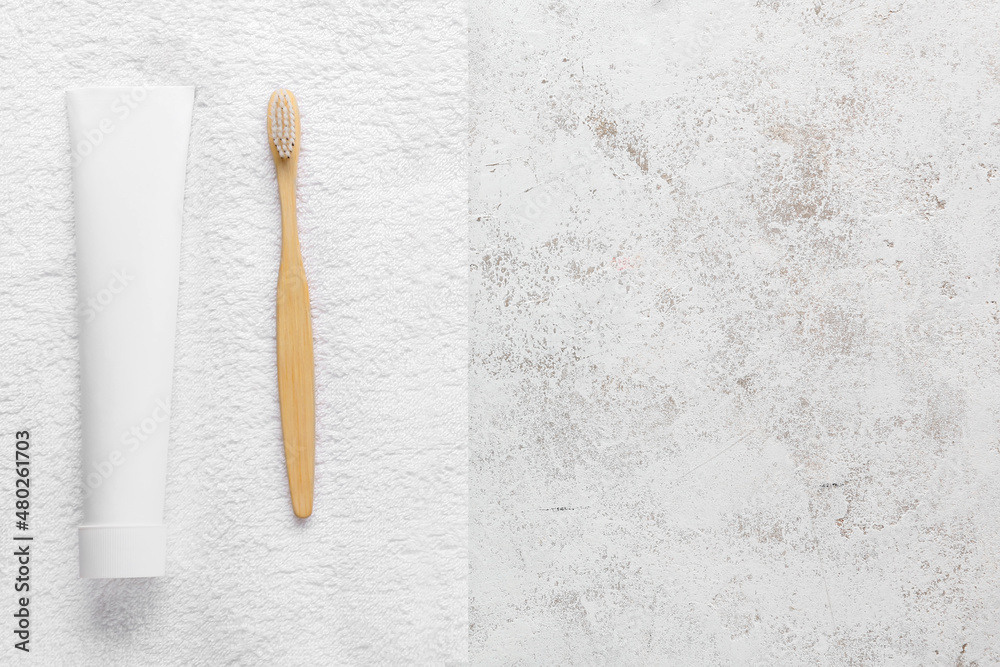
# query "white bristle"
(282, 118)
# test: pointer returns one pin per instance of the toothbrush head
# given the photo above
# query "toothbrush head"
(283, 125)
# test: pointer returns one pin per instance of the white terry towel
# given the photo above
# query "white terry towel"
(378, 574)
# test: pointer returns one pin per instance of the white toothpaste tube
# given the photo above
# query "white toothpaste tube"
(128, 151)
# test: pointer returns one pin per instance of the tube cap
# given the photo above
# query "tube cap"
(108, 552)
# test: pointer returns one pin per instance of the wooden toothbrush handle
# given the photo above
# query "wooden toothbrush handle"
(296, 388)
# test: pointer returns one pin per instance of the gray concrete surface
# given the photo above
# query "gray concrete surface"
(734, 315)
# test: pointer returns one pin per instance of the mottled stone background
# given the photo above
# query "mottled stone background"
(734, 360)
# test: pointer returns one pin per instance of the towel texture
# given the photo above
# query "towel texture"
(378, 575)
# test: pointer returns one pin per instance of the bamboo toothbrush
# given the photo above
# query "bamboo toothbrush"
(296, 391)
